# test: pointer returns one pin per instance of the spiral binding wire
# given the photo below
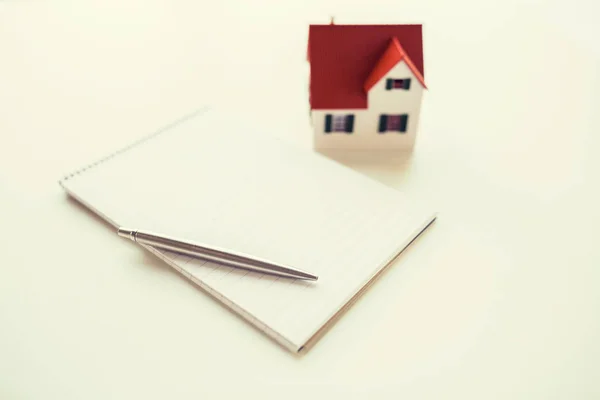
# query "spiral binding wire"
(130, 146)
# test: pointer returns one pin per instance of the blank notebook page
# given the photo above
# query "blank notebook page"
(224, 183)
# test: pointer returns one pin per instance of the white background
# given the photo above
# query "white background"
(500, 300)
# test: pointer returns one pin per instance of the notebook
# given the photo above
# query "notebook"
(225, 182)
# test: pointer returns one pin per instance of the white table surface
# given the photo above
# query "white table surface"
(500, 300)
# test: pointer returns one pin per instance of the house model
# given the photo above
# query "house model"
(366, 85)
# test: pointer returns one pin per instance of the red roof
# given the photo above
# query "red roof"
(344, 59)
(392, 56)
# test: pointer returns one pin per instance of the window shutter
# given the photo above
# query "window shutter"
(406, 83)
(389, 84)
(382, 123)
(403, 122)
(349, 123)
(328, 123)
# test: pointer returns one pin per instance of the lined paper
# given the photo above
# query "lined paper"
(223, 183)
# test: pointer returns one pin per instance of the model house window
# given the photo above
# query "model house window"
(393, 123)
(403, 84)
(339, 123)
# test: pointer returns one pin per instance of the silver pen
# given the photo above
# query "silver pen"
(214, 254)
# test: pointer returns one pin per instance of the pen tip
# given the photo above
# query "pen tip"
(308, 277)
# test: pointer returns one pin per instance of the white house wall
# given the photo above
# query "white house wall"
(366, 121)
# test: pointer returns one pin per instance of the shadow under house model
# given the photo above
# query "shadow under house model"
(366, 85)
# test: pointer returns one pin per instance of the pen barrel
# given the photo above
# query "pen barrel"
(219, 256)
